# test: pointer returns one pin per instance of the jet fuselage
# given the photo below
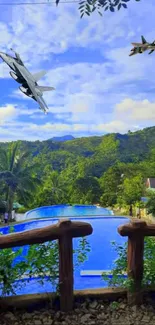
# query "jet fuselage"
(136, 50)
(145, 46)
(26, 79)
(142, 47)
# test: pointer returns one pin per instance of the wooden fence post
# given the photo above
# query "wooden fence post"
(135, 231)
(135, 268)
(66, 269)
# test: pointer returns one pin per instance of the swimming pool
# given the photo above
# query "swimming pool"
(100, 258)
(66, 210)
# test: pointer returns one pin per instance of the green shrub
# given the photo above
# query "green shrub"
(120, 266)
(150, 205)
(22, 210)
(40, 260)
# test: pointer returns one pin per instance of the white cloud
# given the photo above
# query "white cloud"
(113, 127)
(31, 131)
(7, 112)
(112, 95)
(4, 71)
(133, 110)
(93, 99)
(38, 31)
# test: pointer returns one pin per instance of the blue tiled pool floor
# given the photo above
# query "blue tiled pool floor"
(101, 256)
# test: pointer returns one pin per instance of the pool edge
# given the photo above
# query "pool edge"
(25, 301)
(32, 300)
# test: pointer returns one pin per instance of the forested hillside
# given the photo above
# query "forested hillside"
(109, 169)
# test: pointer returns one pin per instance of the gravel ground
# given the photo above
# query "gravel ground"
(87, 313)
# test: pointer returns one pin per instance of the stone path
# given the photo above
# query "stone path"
(87, 313)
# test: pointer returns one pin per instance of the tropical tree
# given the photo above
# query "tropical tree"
(17, 175)
(89, 6)
(86, 190)
(150, 205)
(51, 191)
(131, 191)
(109, 182)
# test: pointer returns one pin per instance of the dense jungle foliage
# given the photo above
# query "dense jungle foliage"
(109, 170)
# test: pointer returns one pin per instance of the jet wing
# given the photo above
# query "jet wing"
(139, 45)
(38, 75)
(38, 98)
(132, 53)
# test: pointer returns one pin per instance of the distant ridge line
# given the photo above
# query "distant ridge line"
(63, 138)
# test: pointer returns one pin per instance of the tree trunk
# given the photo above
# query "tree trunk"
(10, 208)
(131, 211)
(9, 199)
(139, 213)
(7, 194)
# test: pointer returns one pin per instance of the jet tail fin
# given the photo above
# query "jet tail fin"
(151, 52)
(143, 39)
(44, 88)
(38, 75)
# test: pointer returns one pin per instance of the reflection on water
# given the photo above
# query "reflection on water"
(67, 211)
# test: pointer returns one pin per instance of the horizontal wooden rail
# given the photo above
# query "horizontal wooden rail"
(65, 230)
(137, 226)
(42, 235)
(136, 230)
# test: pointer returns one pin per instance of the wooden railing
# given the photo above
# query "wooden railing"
(64, 231)
(136, 230)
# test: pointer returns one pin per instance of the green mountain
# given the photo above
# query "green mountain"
(85, 169)
(130, 147)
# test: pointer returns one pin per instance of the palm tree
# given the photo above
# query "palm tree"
(52, 190)
(17, 176)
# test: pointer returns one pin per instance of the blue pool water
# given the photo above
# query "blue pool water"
(101, 256)
(67, 211)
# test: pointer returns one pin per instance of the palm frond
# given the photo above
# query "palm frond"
(13, 154)
(29, 170)
(20, 162)
(18, 174)
(28, 183)
(6, 174)
(9, 179)
(24, 195)
(3, 159)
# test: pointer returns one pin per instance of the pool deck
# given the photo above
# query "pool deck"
(24, 301)
(20, 217)
(32, 300)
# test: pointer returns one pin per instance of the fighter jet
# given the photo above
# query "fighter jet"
(28, 81)
(142, 47)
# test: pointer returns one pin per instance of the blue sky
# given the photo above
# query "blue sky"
(99, 88)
